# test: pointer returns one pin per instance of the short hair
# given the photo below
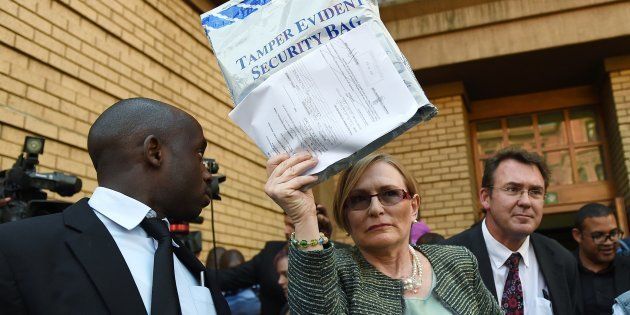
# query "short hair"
(350, 177)
(430, 238)
(126, 124)
(214, 256)
(516, 154)
(231, 256)
(592, 210)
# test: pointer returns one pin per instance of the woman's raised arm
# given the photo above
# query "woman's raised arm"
(284, 187)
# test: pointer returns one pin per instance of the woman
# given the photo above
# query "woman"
(376, 202)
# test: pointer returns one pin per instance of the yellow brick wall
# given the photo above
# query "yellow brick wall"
(62, 62)
(617, 111)
(438, 154)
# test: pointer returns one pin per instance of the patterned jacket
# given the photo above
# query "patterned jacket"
(341, 281)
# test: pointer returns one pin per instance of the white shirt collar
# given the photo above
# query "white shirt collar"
(122, 209)
(499, 253)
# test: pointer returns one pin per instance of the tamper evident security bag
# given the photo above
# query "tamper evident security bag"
(323, 76)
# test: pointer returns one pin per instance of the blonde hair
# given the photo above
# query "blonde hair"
(350, 177)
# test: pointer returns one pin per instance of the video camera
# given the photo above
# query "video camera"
(23, 184)
(192, 240)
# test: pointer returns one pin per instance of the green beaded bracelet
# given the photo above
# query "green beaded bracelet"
(306, 244)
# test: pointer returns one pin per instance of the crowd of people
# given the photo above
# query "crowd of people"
(113, 253)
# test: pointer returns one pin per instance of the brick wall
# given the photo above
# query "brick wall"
(438, 153)
(616, 103)
(63, 62)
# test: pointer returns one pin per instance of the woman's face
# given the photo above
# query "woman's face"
(380, 226)
(282, 267)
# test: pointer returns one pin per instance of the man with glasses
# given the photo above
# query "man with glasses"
(527, 273)
(603, 275)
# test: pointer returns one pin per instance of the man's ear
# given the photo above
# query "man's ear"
(484, 198)
(577, 235)
(152, 149)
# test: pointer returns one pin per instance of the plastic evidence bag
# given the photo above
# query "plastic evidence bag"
(323, 76)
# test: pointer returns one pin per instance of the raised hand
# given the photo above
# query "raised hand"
(284, 184)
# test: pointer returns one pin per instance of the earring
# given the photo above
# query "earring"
(415, 220)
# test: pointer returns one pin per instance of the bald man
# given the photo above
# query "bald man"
(112, 254)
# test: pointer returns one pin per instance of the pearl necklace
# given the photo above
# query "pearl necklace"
(414, 281)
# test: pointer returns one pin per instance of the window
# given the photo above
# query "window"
(569, 141)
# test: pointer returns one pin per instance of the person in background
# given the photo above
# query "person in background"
(624, 247)
(376, 202)
(214, 257)
(417, 230)
(260, 270)
(528, 273)
(282, 268)
(603, 275)
(430, 238)
(242, 301)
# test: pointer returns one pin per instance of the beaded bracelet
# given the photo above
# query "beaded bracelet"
(305, 244)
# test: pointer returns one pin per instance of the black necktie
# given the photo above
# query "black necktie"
(164, 298)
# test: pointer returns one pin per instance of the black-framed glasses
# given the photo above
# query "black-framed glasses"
(388, 197)
(601, 238)
(516, 191)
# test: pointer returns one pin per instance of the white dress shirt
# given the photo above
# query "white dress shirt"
(122, 215)
(532, 280)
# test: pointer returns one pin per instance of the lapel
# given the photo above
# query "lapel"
(95, 249)
(188, 258)
(196, 267)
(477, 245)
(553, 274)
(622, 276)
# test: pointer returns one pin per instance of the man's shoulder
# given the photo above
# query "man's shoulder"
(543, 245)
(36, 230)
(30, 236)
(31, 225)
(623, 261)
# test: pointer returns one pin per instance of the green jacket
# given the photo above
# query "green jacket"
(341, 281)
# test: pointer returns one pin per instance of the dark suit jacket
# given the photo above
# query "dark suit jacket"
(68, 263)
(622, 274)
(559, 268)
(259, 270)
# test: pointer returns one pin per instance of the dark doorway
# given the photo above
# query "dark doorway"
(558, 226)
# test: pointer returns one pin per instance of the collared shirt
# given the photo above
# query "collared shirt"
(535, 291)
(122, 215)
(598, 289)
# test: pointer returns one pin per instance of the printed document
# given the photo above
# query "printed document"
(332, 102)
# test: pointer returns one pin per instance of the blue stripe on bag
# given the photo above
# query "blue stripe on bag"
(256, 2)
(236, 12)
(215, 22)
(233, 12)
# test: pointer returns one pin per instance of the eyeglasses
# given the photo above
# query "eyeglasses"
(386, 198)
(515, 191)
(601, 238)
